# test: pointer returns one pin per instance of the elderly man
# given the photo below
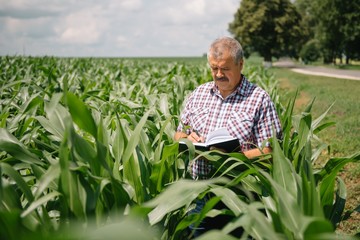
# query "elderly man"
(229, 101)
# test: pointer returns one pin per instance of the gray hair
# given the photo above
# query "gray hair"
(222, 44)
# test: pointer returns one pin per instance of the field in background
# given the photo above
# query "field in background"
(354, 65)
(86, 137)
(340, 93)
(344, 137)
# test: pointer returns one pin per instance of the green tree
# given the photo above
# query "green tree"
(338, 28)
(350, 16)
(328, 30)
(308, 19)
(269, 27)
(310, 51)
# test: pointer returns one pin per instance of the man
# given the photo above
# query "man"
(230, 101)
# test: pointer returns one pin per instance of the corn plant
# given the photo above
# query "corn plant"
(298, 200)
(86, 145)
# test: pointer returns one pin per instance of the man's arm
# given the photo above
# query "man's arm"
(253, 153)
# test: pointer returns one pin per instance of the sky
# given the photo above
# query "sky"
(113, 28)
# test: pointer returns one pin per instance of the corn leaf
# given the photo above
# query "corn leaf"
(15, 148)
(81, 114)
(131, 161)
(177, 195)
(35, 204)
(8, 170)
(283, 172)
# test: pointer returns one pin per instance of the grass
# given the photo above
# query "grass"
(343, 138)
(353, 65)
(343, 94)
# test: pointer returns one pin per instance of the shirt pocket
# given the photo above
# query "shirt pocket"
(240, 125)
(198, 118)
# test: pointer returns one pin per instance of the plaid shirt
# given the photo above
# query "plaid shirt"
(248, 114)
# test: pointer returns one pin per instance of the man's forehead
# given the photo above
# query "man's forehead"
(223, 60)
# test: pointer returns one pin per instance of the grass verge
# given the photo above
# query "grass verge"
(344, 136)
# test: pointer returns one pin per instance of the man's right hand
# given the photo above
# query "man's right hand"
(194, 137)
(179, 135)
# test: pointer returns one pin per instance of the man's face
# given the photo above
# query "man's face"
(226, 74)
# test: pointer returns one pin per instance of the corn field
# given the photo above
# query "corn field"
(87, 152)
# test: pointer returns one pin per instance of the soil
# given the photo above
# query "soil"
(351, 223)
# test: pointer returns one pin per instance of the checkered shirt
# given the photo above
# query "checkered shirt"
(248, 114)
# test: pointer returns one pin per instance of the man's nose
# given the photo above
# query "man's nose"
(219, 73)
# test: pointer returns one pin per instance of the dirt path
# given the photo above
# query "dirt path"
(318, 71)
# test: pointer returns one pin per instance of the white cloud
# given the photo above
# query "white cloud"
(131, 4)
(196, 6)
(83, 27)
(30, 28)
(122, 41)
(113, 27)
(185, 12)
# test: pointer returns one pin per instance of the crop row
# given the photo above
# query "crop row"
(87, 151)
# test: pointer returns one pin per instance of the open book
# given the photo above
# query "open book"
(219, 138)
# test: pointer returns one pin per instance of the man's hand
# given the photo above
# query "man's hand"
(194, 137)
(179, 135)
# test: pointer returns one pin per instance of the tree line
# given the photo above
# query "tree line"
(303, 29)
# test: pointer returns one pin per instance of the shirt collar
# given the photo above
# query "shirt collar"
(241, 89)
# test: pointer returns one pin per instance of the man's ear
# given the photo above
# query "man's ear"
(241, 64)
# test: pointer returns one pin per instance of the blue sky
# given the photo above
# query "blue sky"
(111, 28)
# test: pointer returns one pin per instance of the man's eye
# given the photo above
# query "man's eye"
(215, 69)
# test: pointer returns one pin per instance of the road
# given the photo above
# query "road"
(319, 71)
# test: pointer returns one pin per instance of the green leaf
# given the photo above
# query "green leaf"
(13, 174)
(54, 123)
(131, 161)
(339, 204)
(121, 195)
(35, 204)
(317, 121)
(70, 187)
(168, 151)
(283, 172)
(32, 103)
(316, 226)
(81, 114)
(118, 147)
(287, 207)
(15, 148)
(254, 222)
(215, 235)
(286, 122)
(48, 180)
(304, 133)
(323, 126)
(177, 195)
(327, 176)
(230, 199)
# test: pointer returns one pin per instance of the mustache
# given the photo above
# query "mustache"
(221, 78)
